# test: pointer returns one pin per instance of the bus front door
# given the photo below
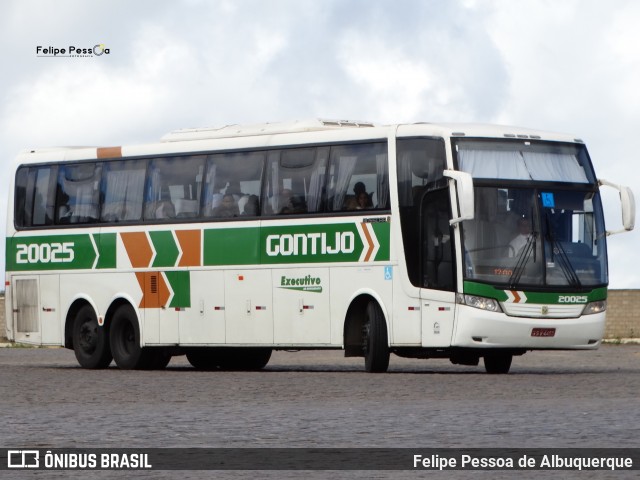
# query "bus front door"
(437, 264)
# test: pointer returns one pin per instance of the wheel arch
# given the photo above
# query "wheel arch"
(76, 304)
(355, 319)
(104, 322)
(118, 302)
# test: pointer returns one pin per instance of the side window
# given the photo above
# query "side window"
(358, 178)
(34, 201)
(77, 194)
(295, 181)
(421, 162)
(122, 190)
(22, 213)
(173, 187)
(232, 185)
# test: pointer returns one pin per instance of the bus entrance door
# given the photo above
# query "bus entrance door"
(438, 268)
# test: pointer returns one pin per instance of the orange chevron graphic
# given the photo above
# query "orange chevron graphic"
(138, 249)
(191, 245)
(372, 246)
(155, 293)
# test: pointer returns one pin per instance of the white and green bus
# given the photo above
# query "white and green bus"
(224, 244)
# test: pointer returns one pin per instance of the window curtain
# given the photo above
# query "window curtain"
(123, 197)
(382, 177)
(346, 166)
(522, 165)
(554, 167)
(314, 196)
(405, 179)
(275, 185)
(494, 164)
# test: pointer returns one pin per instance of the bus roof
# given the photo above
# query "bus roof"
(230, 136)
(297, 126)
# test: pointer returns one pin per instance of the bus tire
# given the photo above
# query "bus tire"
(203, 358)
(124, 337)
(498, 363)
(90, 340)
(156, 358)
(375, 341)
(244, 358)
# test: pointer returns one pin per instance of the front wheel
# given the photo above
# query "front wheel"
(375, 340)
(498, 363)
(90, 340)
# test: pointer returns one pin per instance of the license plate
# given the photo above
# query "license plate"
(543, 332)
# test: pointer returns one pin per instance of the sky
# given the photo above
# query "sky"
(568, 66)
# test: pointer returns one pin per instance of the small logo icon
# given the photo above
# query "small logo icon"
(23, 459)
(544, 310)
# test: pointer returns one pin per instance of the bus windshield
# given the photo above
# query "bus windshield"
(527, 231)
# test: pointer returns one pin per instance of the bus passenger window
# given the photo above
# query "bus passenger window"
(295, 181)
(123, 190)
(233, 177)
(35, 196)
(77, 197)
(174, 187)
(358, 178)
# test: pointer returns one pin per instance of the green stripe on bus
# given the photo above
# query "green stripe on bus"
(231, 246)
(180, 282)
(484, 290)
(106, 243)
(267, 245)
(383, 233)
(166, 249)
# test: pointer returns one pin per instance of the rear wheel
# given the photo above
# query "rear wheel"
(90, 340)
(498, 363)
(375, 340)
(124, 337)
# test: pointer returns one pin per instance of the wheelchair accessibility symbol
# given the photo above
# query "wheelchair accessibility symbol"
(388, 273)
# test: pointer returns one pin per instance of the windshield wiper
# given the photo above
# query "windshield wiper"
(523, 259)
(565, 264)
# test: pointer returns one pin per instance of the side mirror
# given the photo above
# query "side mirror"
(464, 189)
(627, 204)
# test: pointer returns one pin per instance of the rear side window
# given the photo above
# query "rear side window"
(35, 196)
(78, 193)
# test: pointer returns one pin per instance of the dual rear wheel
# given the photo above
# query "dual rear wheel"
(95, 346)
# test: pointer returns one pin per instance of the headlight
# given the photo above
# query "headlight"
(595, 307)
(483, 303)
